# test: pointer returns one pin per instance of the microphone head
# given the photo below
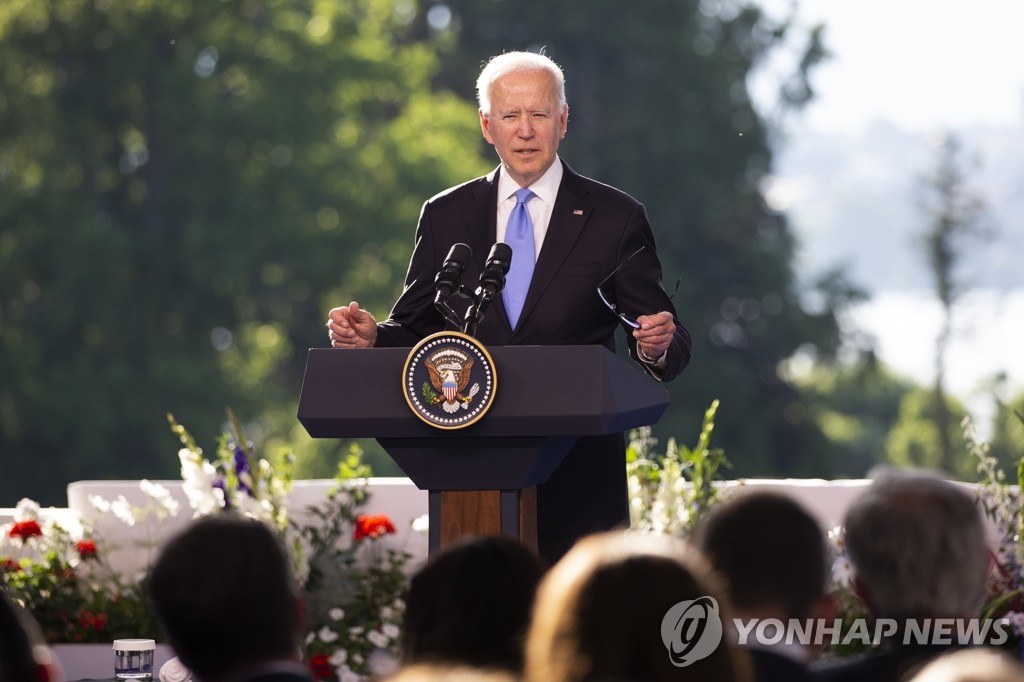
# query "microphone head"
(500, 257)
(459, 255)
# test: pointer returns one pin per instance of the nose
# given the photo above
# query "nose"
(526, 127)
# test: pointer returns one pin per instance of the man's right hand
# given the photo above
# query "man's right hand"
(350, 327)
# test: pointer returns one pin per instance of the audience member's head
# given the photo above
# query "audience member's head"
(771, 553)
(471, 605)
(599, 613)
(224, 592)
(917, 547)
(978, 664)
(24, 656)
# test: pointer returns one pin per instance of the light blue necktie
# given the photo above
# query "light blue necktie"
(519, 236)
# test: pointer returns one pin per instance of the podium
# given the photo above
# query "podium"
(481, 479)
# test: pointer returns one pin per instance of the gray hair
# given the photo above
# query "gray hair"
(917, 545)
(517, 62)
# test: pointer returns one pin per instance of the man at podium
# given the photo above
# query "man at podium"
(584, 263)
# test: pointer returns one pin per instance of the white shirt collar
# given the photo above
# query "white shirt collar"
(546, 186)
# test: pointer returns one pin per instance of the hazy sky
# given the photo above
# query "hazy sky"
(923, 64)
(926, 66)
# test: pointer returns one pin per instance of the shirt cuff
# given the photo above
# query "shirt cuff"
(658, 362)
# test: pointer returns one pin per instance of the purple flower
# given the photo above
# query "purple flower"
(242, 470)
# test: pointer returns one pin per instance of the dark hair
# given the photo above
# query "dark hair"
(769, 550)
(471, 605)
(224, 592)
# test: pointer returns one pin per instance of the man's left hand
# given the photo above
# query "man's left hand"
(655, 333)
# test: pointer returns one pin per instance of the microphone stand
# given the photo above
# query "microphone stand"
(482, 300)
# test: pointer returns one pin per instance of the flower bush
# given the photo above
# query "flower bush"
(57, 571)
(1004, 507)
(669, 493)
(353, 581)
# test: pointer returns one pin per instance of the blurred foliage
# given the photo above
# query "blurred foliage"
(187, 188)
(855, 404)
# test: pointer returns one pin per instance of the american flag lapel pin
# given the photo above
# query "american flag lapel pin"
(577, 211)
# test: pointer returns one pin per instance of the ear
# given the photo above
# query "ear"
(485, 127)
(563, 121)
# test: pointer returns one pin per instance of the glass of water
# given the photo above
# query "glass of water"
(133, 660)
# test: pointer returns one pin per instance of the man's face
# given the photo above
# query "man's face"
(525, 124)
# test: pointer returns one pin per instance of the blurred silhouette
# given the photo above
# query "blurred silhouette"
(471, 605)
(439, 672)
(24, 656)
(981, 664)
(917, 546)
(224, 592)
(601, 611)
(772, 554)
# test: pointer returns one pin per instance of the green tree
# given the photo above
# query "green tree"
(855, 405)
(658, 106)
(185, 189)
(914, 441)
(954, 212)
(1007, 441)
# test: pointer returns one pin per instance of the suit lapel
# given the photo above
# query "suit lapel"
(568, 216)
(482, 212)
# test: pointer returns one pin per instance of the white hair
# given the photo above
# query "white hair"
(517, 62)
(917, 545)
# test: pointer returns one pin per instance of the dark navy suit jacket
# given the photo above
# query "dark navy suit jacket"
(593, 229)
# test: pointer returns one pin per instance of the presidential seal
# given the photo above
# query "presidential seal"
(449, 380)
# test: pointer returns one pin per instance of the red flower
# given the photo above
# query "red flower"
(88, 620)
(373, 526)
(321, 668)
(9, 566)
(86, 549)
(25, 530)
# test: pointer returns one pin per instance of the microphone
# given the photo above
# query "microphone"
(492, 279)
(449, 278)
(447, 281)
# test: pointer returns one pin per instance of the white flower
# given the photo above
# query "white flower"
(386, 613)
(123, 510)
(327, 635)
(377, 638)
(842, 572)
(356, 631)
(99, 504)
(421, 524)
(338, 658)
(391, 630)
(160, 495)
(336, 613)
(198, 477)
(346, 675)
(310, 638)
(26, 510)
